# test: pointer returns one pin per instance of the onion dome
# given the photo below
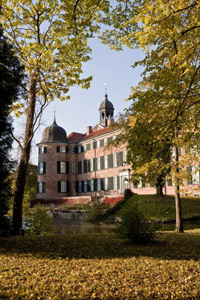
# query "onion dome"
(54, 134)
(106, 104)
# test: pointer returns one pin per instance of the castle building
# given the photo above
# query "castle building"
(80, 165)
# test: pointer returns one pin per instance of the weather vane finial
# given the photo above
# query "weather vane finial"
(54, 114)
(105, 84)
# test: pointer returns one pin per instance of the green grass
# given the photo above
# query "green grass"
(163, 208)
(100, 266)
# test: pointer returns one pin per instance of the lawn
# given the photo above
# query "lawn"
(163, 208)
(100, 266)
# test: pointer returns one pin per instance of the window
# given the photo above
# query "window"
(105, 141)
(106, 184)
(91, 146)
(114, 137)
(98, 184)
(62, 149)
(41, 187)
(91, 165)
(124, 158)
(85, 186)
(115, 182)
(62, 167)
(98, 144)
(63, 186)
(92, 185)
(80, 186)
(106, 161)
(73, 167)
(79, 149)
(84, 148)
(195, 175)
(73, 184)
(73, 149)
(42, 167)
(42, 150)
(114, 160)
(98, 163)
(79, 167)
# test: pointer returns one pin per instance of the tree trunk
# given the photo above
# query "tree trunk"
(23, 165)
(159, 186)
(179, 221)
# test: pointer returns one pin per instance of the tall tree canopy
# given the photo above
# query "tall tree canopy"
(11, 74)
(166, 103)
(50, 39)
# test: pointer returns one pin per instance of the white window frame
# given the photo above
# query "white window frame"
(63, 167)
(115, 183)
(73, 184)
(41, 149)
(41, 167)
(106, 161)
(40, 187)
(63, 186)
(106, 183)
(91, 165)
(114, 160)
(62, 149)
(124, 157)
(98, 184)
(105, 141)
(73, 150)
(195, 175)
(80, 186)
(79, 149)
(98, 163)
(92, 185)
(85, 186)
(73, 167)
(98, 144)
(84, 148)
(91, 146)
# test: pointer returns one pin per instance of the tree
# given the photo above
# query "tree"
(50, 39)
(11, 75)
(168, 95)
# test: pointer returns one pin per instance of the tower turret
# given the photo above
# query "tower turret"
(106, 111)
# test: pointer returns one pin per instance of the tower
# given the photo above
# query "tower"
(106, 111)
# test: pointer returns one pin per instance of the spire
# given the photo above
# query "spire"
(55, 115)
(106, 94)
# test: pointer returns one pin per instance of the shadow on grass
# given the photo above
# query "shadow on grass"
(89, 246)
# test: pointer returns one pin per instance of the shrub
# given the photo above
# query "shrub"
(40, 221)
(127, 194)
(135, 227)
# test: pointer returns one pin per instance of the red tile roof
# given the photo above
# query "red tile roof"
(96, 133)
(74, 137)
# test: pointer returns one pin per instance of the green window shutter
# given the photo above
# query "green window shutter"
(189, 176)
(110, 161)
(186, 151)
(82, 183)
(88, 147)
(44, 167)
(38, 187)
(89, 166)
(45, 149)
(79, 167)
(94, 163)
(67, 149)
(109, 139)
(102, 162)
(118, 183)
(88, 185)
(121, 158)
(101, 143)
(118, 159)
(39, 168)
(59, 187)
(43, 187)
(102, 184)
(110, 183)
(81, 148)
(179, 151)
(67, 167)
(58, 148)
(76, 149)
(94, 145)
(76, 189)
(85, 166)
(95, 184)
(67, 186)
(58, 167)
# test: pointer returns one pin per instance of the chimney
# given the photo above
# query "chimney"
(89, 130)
(110, 121)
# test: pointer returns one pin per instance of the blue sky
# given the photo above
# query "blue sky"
(82, 110)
